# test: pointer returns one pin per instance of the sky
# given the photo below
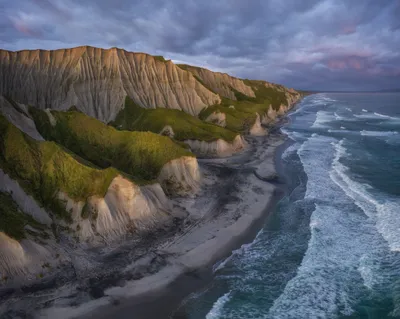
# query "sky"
(305, 44)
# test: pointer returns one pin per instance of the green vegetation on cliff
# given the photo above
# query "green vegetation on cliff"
(13, 221)
(44, 168)
(160, 58)
(241, 113)
(139, 154)
(185, 126)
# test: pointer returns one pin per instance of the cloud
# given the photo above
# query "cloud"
(311, 44)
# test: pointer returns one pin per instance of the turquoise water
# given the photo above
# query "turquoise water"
(331, 248)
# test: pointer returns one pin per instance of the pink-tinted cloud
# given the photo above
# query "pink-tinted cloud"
(357, 63)
(348, 29)
(25, 29)
(337, 64)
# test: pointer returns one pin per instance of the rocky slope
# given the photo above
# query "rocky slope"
(97, 81)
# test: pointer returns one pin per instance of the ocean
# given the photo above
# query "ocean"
(331, 247)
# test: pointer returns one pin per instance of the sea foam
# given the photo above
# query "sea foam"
(216, 310)
(378, 133)
(384, 211)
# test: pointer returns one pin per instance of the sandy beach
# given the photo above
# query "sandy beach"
(237, 196)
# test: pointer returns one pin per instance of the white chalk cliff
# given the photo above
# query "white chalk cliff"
(97, 81)
(181, 176)
(18, 115)
(221, 83)
(23, 259)
(257, 129)
(217, 148)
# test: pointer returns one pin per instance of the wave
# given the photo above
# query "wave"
(320, 100)
(338, 117)
(384, 212)
(328, 269)
(290, 150)
(323, 117)
(342, 131)
(377, 116)
(237, 252)
(364, 110)
(383, 115)
(217, 308)
(378, 133)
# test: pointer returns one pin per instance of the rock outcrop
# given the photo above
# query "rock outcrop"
(125, 207)
(217, 118)
(221, 83)
(257, 129)
(18, 115)
(96, 81)
(167, 131)
(218, 148)
(26, 202)
(181, 176)
(22, 259)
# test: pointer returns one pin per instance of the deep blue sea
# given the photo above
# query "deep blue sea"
(331, 248)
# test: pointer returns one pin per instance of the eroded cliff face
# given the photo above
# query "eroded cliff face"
(257, 129)
(217, 118)
(23, 259)
(221, 83)
(218, 148)
(125, 208)
(97, 81)
(18, 115)
(181, 176)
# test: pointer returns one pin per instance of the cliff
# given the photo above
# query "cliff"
(246, 114)
(97, 81)
(221, 83)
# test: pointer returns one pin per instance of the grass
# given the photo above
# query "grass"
(139, 154)
(160, 58)
(245, 108)
(12, 220)
(186, 67)
(44, 168)
(185, 126)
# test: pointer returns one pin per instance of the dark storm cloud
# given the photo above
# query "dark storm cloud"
(331, 44)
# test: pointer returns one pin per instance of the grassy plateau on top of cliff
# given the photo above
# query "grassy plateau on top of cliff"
(186, 127)
(43, 169)
(139, 154)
